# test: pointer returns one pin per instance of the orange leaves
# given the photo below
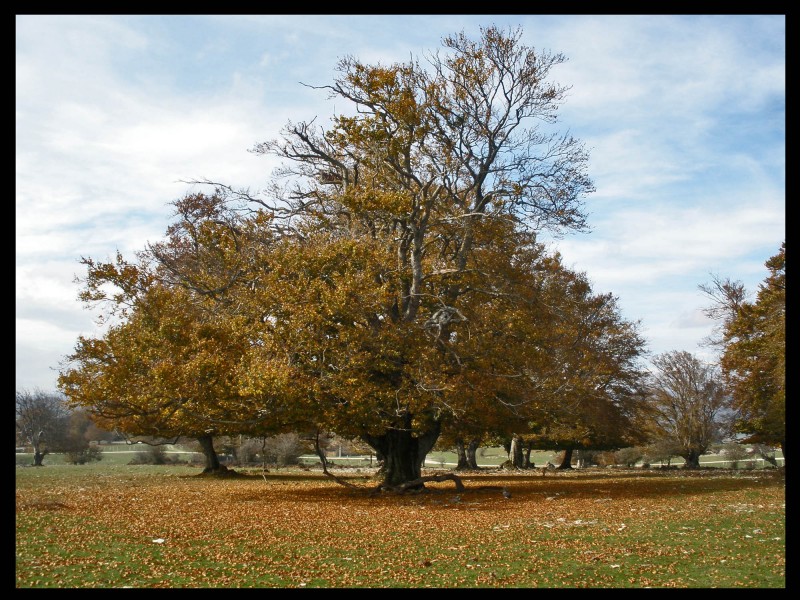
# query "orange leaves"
(369, 200)
(298, 529)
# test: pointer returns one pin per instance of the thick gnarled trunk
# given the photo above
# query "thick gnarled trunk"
(566, 463)
(515, 454)
(403, 452)
(212, 460)
(461, 452)
(692, 459)
(472, 449)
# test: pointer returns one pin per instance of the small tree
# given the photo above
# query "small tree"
(73, 438)
(629, 456)
(284, 449)
(40, 418)
(688, 403)
(733, 453)
(663, 451)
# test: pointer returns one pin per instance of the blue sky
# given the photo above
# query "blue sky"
(683, 115)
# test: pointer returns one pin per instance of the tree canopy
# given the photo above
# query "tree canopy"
(752, 338)
(688, 402)
(390, 283)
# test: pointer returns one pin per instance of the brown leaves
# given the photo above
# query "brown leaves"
(299, 529)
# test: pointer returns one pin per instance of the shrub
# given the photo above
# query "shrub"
(154, 455)
(249, 451)
(81, 456)
(283, 449)
(628, 456)
(662, 451)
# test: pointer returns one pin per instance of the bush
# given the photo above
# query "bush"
(628, 456)
(283, 449)
(154, 455)
(83, 455)
(605, 459)
(587, 458)
(249, 451)
(662, 451)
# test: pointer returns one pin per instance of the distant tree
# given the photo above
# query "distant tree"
(170, 363)
(766, 453)
(688, 402)
(734, 453)
(662, 450)
(752, 337)
(40, 418)
(629, 456)
(599, 380)
(284, 449)
(75, 437)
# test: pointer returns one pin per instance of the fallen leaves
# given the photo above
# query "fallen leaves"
(291, 531)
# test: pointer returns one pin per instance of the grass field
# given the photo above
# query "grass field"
(120, 454)
(113, 525)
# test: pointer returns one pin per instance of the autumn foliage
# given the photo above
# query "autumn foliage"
(390, 286)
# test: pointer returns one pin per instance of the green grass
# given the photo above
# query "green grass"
(96, 525)
(120, 454)
(491, 456)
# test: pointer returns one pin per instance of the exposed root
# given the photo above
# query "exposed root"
(417, 485)
(414, 486)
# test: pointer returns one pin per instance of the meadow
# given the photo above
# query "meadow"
(112, 525)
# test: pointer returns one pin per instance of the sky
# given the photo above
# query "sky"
(684, 118)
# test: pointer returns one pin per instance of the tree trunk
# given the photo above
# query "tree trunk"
(692, 460)
(528, 464)
(567, 462)
(516, 456)
(212, 460)
(507, 447)
(403, 453)
(472, 448)
(461, 451)
(321, 453)
(38, 454)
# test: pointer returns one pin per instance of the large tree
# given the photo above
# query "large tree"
(591, 387)
(391, 282)
(752, 337)
(444, 171)
(167, 368)
(688, 401)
